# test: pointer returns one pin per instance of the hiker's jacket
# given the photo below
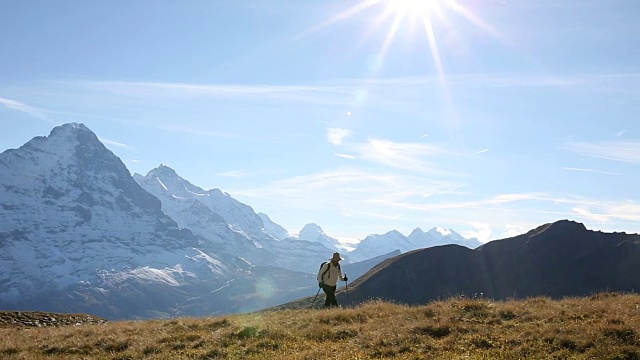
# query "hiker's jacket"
(331, 277)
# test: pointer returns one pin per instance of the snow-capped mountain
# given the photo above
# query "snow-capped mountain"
(440, 236)
(166, 184)
(78, 234)
(377, 245)
(230, 225)
(198, 210)
(61, 194)
(313, 232)
(273, 229)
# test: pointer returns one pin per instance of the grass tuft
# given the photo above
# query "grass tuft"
(250, 332)
(433, 331)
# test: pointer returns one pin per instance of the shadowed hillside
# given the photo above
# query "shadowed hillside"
(555, 260)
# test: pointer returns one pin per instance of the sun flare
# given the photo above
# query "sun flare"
(409, 20)
(429, 17)
(418, 8)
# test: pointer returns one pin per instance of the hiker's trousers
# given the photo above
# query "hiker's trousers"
(331, 295)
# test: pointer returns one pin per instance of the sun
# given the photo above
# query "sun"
(414, 8)
(421, 12)
(396, 14)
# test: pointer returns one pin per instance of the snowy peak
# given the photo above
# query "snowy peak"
(69, 144)
(442, 231)
(165, 172)
(167, 180)
(441, 236)
(72, 166)
(313, 232)
(71, 129)
(176, 193)
(435, 232)
(377, 245)
(273, 229)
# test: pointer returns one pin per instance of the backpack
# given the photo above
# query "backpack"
(328, 267)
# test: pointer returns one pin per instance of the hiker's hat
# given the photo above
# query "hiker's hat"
(336, 256)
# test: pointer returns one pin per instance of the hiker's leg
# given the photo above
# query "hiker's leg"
(331, 296)
(327, 291)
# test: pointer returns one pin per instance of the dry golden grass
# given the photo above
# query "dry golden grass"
(605, 326)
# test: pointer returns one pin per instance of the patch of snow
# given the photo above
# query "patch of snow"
(162, 184)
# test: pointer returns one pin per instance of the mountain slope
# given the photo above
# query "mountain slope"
(200, 211)
(165, 183)
(229, 225)
(273, 229)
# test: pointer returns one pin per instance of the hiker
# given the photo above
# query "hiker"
(328, 276)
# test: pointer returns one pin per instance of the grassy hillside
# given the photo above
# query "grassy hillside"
(604, 326)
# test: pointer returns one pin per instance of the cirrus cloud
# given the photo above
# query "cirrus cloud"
(625, 151)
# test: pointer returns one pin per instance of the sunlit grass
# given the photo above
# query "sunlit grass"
(599, 327)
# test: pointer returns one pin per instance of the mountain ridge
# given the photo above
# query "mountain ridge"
(557, 259)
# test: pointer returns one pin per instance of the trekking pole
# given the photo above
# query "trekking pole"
(347, 287)
(314, 299)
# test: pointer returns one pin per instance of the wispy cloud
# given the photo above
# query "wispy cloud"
(591, 171)
(117, 144)
(488, 202)
(626, 151)
(373, 215)
(335, 136)
(480, 152)
(346, 156)
(407, 156)
(400, 94)
(231, 174)
(198, 131)
(19, 106)
(508, 80)
(607, 211)
(329, 94)
(351, 188)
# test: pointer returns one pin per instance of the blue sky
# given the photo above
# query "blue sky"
(489, 117)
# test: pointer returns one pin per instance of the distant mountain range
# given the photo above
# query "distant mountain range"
(78, 233)
(376, 245)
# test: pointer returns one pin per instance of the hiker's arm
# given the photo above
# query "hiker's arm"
(343, 277)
